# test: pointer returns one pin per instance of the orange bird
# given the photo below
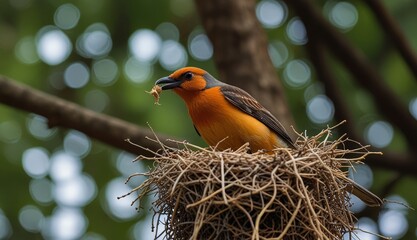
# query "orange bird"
(228, 117)
(223, 115)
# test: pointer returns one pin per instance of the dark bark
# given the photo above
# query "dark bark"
(386, 101)
(241, 52)
(61, 113)
(317, 52)
(253, 71)
(394, 33)
(113, 131)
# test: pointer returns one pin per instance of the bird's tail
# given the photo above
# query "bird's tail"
(365, 195)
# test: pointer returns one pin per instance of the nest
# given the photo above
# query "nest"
(292, 194)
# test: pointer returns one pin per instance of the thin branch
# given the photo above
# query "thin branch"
(114, 131)
(61, 113)
(404, 163)
(317, 55)
(387, 102)
(393, 31)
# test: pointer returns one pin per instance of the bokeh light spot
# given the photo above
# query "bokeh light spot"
(145, 45)
(320, 109)
(53, 45)
(313, 90)
(119, 208)
(379, 134)
(343, 15)
(278, 53)
(76, 75)
(270, 13)
(296, 31)
(65, 223)
(77, 143)
(143, 229)
(392, 204)
(35, 162)
(66, 16)
(168, 31)
(5, 227)
(200, 47)
(105, 72)
(75, 192)
(64, 166)
(126, 165)
(297, 73)
(363, 175)
(95, 42)
(173, 55)
(38, 127)
(366, 227)
(137, 71)
(356, 204)
(393, 223)
(413, 107)
(41, 190)
(25, 50)
(30, 217)
(10, 132)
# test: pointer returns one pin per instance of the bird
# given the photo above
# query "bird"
(228, 117)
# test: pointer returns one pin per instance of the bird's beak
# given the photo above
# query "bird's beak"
(169, 83)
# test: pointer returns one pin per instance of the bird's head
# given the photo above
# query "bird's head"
(188, 80)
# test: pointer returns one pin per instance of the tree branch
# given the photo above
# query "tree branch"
(393, 31)
(61, 113)
(401, 162)
(317, 54)
(365, 74)
(241, 52)
(113, 131)
(404, 163)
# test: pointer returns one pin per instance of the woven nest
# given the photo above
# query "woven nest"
(293, 194)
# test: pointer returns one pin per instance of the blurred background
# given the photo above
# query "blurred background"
(104, 55)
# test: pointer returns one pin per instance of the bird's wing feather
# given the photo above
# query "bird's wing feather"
(246, 103)
(197, 130)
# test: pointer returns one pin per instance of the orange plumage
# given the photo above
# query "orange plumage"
(228, 117)
(218, 112)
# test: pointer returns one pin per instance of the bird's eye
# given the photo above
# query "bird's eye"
(188, 76)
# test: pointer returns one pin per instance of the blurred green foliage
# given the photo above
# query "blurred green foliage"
(127, 99)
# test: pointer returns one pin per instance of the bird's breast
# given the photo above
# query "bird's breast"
(223, 125)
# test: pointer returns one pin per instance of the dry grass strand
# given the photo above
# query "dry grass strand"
(292, 194)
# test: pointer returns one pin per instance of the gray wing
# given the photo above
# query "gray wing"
(245, 102)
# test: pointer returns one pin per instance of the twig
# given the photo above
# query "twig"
(293, 216)
(318, 58)
(387, 102)
(296, 193)
(61, 113)
(394, 33)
